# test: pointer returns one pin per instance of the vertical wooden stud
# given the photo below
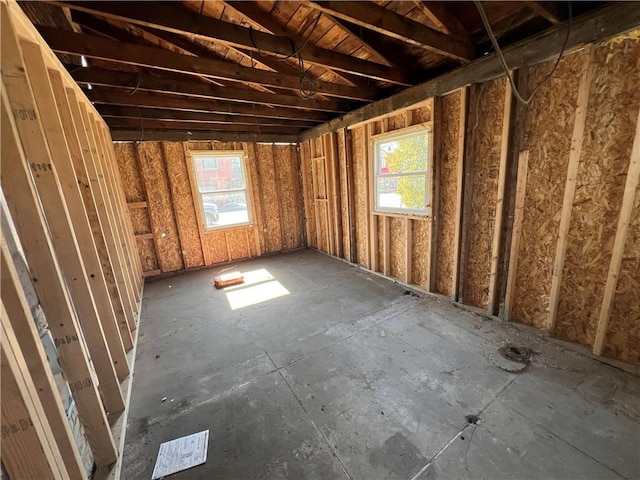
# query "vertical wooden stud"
(435, 153)
(523, 167)
(460, 177)
(386, 245)
(373, 221)
(570, 187)
(497, 225)
(626, 210)
(49, 285)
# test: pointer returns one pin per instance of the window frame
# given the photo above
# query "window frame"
(195, 154)
(385, 137)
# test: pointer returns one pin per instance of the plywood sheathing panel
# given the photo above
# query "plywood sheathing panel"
(183, 204)
(269, 201)
(549, 122)
(397, 236)
(623, 336)
(360, 195)
(239, 246)
(486, 153)
(286, 161)
(421, 247)
(310, 221)
(217, 246)
(422, 114)
(610, 125)
(130, 172)
(257, 230)
(448, 161)
(160, 207)
(147, 252)
(140, 221)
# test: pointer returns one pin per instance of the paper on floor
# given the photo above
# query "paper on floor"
(181, 454)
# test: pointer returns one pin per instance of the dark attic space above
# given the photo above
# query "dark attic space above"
(246, 70)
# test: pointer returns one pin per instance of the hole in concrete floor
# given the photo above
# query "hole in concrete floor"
(472, 419)
(515, 353)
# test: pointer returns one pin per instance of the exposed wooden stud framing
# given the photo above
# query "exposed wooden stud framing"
(497, 225)
(435, 155)
(570, 187)
(29, 448)
(523, 168)
(172, 190)
(460, 177)
(23, 326)
(372, 218)
(35, 127)
(86, 171)
(351, 202)
(48, 282)
(467, 193)
(626, 211)
(196, 204)
(305, 154)
(389, 23)
(592, 27)
(63, 153)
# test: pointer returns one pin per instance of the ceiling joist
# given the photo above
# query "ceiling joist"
(90, 46)
(172, 18)
(391, 24)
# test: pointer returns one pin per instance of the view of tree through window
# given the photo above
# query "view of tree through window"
(401, 166)
(222, 188)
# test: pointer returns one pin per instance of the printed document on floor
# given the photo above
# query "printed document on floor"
(181, 454)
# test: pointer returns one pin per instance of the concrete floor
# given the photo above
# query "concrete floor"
(346, 376)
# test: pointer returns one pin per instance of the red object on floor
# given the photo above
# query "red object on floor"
(233, 278)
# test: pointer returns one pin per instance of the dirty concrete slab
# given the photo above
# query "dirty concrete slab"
(506, 445)
(374, 382)
(258, 431)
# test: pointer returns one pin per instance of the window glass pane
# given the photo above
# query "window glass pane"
(225, 209)
(407, 192)
(219, 172)
(404, 154)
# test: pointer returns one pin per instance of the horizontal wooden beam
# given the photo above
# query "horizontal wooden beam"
(604, 23)
(152, 100)
(199, 126)
(178, 116)
(389, 23)
(143, 82)
(129, 135)
(91, 46)
(172, 18)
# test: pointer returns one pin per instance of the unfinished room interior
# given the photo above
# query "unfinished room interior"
(320, 240)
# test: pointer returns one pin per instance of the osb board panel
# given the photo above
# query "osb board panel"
(270, 202)
(147, 252)
(610, 125)
(421, 115)
(397, 235)
(360, 194)
(308, 182)
(239, 246)
(486, 155)
(321, 211)
(448, 161)
(380, 246)
(216, 243)
(160, 206)
(623, 336)
(344, 200)
(548, 139)
(183, 204)
(286, 161)
(129, 171)
(256, 189)
(421, 253)
(140, 220)
(321, 178)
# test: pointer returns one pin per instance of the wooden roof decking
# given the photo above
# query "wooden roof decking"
(229, 64)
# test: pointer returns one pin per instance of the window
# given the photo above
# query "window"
(222, 188)
(402, 163)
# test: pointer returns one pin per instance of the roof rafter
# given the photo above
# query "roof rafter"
(165, 16)
(389, 23)
(444, 20)
(140, 55)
